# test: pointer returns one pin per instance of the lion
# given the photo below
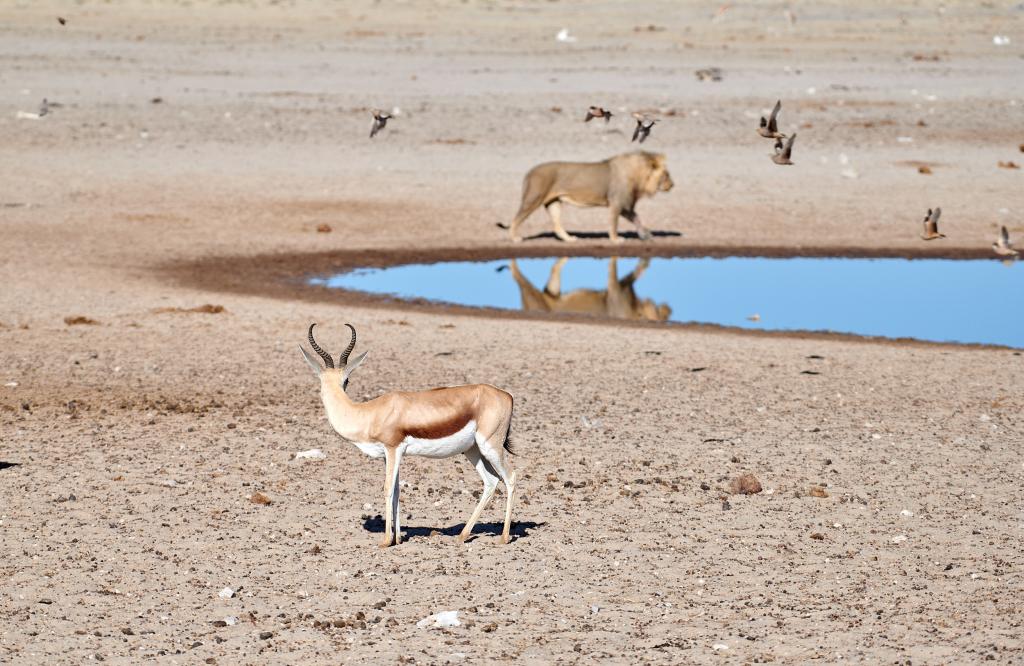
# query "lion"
(618, 300)
(617, 183)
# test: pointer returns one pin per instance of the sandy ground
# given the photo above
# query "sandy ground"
(130, 447)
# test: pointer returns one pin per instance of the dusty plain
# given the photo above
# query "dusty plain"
(195, 135)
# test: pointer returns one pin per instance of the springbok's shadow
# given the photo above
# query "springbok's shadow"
(5, 465)
(598, 235)
(520, 529)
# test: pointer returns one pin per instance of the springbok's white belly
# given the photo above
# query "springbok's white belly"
(372, 450)
(443, 447)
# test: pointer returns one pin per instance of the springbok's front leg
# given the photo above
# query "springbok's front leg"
(393, 457)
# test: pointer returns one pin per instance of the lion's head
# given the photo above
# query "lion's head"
(651, 311)
(658, 178)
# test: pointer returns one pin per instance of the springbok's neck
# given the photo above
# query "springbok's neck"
(343, 413)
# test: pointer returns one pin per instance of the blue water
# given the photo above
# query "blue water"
(928, 299)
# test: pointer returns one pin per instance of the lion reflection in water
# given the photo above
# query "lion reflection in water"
(618, 301)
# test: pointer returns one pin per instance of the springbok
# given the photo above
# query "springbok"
(473, 420)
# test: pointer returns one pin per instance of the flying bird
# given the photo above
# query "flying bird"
(1002, 246)
(380, 119)
(769, 128)
(597, 112)
(783, 152)
(643, 127)
(931, 225)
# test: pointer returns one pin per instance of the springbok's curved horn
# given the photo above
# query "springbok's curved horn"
(324, 355)
(343, 359)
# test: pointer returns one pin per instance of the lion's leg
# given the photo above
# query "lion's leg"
(513, 229)
(555, 213)
(554, 286)
(613, 225)
(641, 231)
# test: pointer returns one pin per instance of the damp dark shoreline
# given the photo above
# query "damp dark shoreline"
(286, 276)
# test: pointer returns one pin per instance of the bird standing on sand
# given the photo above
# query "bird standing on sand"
(44, 108)
(931, 225)
(769, 128)
(597, 112)
(380, 119)
(1002, 246)
(783, 152)
(643, 127)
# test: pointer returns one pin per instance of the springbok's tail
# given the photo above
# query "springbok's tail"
(507, 444)
(503, 225)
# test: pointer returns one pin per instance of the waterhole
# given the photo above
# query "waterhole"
(941, 300)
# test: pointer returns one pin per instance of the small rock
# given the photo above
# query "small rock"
(226, 593)
(899, 538)
(817, 536)
(312, 454)
(79, 320)
(489, 627)
(264, 635)
(440, 620)
(817, 491)
(745, 484)
(323, 228)
(260, 498)
(46, 601)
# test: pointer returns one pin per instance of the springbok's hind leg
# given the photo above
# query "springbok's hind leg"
(494, 453)
(490, 483)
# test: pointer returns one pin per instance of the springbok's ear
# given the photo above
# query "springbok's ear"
(352, 365)
(313, 363)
